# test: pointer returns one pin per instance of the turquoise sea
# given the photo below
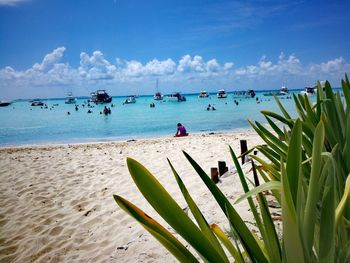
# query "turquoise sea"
(23, 124)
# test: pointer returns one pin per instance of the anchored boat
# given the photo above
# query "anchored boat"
(4, 103)
(100, 96)
(130, 99)
(177, 97)
(203, 94)
(158, 95)
(221, 94)
(70, 99)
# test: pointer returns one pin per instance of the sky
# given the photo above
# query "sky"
(50, 47)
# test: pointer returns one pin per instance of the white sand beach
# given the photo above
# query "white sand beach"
(56, 202)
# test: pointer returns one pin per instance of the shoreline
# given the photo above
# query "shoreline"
(56, 201)
(120, 140)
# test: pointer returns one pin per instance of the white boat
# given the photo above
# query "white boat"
(100, 96)
(176, 97)
(283, 91)
(36, 103)
(4, 103)
(203, 94)
(130, 99)
(221, 94)
(157, 95)
(70, 99)
(309, 91)
(250, 93)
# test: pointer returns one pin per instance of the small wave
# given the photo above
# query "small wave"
(21, 128)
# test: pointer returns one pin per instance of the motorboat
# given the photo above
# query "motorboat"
(158, 96)
(221, 94)
(309, 91)
(4, 103)
(100, 96)
(70, 99)
(37, 103)
(244, 94)
(176, 96)
(203, 94)
(283, 91)
(130, 99)
(250, 93)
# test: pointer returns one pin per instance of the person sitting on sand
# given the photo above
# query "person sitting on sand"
(181, 131)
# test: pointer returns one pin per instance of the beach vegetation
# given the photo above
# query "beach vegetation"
(305, 164)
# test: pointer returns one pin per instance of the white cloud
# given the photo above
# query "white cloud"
(96, 67)
(213, 66)
(334, 66)
(11, 2)
(197, 65)
(156, 67)
(133, 69)
(228, 65)
(50, 60)
(187, 64)
(95, 70)
(265, 67)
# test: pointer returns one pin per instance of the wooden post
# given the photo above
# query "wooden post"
(222, 167)
(214, 174)
(244, 148)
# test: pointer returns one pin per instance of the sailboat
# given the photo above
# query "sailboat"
(157, 95)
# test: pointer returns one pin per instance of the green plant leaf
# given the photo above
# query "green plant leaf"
(327, 221)
(346, 91)
(283, 110)
(246, 237)
(167, 208)
(294, 160)
(310, 214)
(345, 200)
(273, 139)
(272, 185)
(278, 131)
(156, 230)
(272, 243)
(273, 173)
(227, 243)
(292, 244)
(278, 117)
(202, 223)
(346, 153)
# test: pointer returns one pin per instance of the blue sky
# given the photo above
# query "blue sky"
(48, 48)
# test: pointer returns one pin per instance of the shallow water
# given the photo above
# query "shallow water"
(25, 124)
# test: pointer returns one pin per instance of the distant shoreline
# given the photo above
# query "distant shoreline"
(151, 95)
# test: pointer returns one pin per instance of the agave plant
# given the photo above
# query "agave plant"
(306, 167)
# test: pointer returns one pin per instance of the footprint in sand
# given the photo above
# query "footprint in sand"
(56, 231)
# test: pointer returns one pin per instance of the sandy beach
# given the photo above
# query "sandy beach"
(56, 202)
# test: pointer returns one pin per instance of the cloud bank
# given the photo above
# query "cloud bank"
(189, 74)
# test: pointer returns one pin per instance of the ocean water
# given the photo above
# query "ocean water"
(23, 124)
